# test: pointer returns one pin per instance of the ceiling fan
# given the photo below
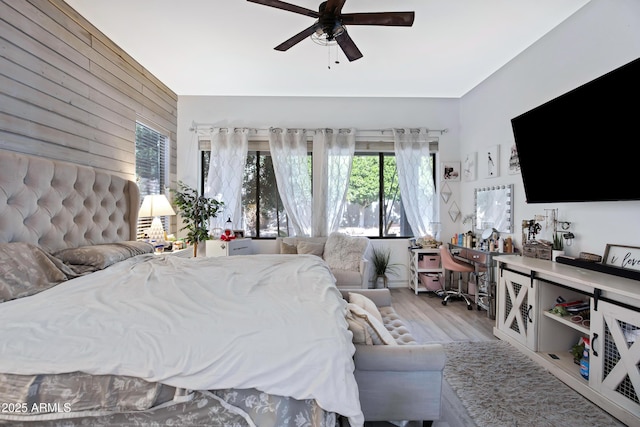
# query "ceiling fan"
(331, 23)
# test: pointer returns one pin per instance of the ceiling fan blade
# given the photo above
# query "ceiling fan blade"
(399, 19)
(287, 6)
(334, 6)
(348, 47)
(296, 39)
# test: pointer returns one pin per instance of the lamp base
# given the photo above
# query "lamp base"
(156, 232)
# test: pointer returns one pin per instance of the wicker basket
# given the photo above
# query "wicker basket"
(586, 256)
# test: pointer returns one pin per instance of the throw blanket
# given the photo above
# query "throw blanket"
(271, 322)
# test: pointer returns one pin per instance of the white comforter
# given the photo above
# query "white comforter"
(272, 322)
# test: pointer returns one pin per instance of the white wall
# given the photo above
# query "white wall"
(601, 36)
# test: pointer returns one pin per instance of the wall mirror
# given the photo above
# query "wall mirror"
(494, 208)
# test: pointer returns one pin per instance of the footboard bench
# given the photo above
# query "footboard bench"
(397, 382)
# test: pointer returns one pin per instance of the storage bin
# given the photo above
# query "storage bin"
(431, 281)
(428, 261)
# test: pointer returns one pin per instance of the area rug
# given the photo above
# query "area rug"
(499, 386)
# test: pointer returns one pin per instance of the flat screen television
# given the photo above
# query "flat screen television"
(582, 145)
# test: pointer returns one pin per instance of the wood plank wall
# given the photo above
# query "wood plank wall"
(69, 93)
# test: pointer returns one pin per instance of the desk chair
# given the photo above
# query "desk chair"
(449, 263)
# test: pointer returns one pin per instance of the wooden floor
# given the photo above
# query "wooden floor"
(430, 321)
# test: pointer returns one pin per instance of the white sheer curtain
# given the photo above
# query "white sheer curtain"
(415, 176)
(289, 154)
(226, 169)
(332, 157)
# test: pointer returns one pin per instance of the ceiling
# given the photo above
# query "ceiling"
(225, 47)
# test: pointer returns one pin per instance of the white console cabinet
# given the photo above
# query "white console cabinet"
(527, 291)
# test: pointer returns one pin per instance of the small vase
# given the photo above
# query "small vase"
(556, 253)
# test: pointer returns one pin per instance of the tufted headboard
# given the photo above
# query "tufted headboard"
(58, 205)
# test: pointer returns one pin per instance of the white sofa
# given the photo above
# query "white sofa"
(348, 257)
(400, 382)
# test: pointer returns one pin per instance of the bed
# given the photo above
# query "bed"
(99, 330)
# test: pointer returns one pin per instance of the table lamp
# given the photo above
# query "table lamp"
(156, 205)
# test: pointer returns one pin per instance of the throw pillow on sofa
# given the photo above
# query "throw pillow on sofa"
(365, 303)
(344, 252)
(378, 334)
(312, 248)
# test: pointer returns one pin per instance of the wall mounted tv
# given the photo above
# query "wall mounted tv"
(581, 146)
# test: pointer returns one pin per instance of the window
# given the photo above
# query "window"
(151, 168)
(374, 206)
(263, 211)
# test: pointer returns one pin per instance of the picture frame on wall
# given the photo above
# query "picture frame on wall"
(450, 171)
(491, 159)
(514, 161)
(470, 166)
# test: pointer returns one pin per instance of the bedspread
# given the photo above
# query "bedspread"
(271, 322)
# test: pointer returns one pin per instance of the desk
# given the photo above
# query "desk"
(485, 272)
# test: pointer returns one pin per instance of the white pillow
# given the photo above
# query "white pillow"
(380, 335)
(366, 303)
(310, 248)
(360, 329)
(343, 252)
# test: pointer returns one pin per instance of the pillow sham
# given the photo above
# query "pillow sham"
(26, 269)
(344, 252)
(365, 303)
(378, 333)
(103, 255)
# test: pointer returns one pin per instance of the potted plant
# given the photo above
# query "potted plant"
(381, 264)
(196, 210)
(557, 247)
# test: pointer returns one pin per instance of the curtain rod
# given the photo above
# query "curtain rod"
(195, 127)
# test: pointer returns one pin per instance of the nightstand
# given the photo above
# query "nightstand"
(216, 248)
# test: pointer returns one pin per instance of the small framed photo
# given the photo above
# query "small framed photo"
(470, 166)
(239, 234)
(492, 161)
(514, 161)
(451, 171)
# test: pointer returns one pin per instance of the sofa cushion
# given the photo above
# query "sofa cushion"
(347, 279)
(365, 303)
(313, 248)
(344, 252)
(379, 334)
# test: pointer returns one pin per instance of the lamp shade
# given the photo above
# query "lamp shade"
(155, 205)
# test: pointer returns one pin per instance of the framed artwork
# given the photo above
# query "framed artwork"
(514, 162)
(491, 159)
(627, 257)
(470, 166)
(450, 171)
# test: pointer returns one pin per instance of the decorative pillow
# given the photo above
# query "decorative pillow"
(365, 303)
(360, 329)
(343, 252)
(26, 269)
(310, 248)
(380, 335)
(286, 248)
(103, 255)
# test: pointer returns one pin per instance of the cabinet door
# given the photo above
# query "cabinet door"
(516, 310)
(615, 354)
